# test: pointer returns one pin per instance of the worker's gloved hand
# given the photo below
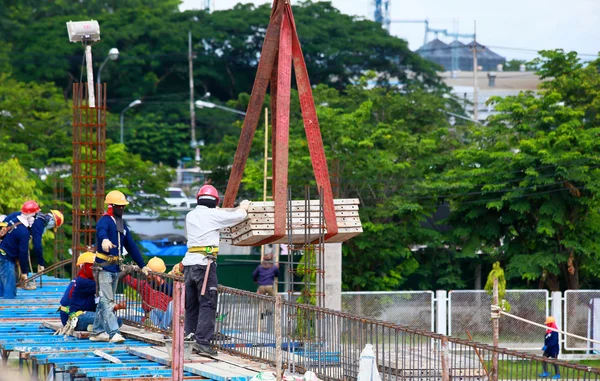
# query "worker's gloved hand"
(107, 245)
(69, 328)
(146, 270)
(544, 348)
(40, 268)
(245, 205)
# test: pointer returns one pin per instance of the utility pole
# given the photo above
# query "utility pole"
(194, 143)
(475, 90)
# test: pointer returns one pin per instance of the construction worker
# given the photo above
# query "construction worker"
(15, 246)
(112, 235)
(200, 272)
(264, 275)
(156, 294)
(42, 222)
(551, 347)
(78, 305)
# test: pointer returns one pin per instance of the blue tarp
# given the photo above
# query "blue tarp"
(163, 248)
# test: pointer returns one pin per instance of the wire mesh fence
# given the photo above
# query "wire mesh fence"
(582, 317)
(470, 311)
(330, 343)
(146, 301)
(410, 308)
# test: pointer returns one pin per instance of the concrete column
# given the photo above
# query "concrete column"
(556, 311)
(333, 276)
(441, 307)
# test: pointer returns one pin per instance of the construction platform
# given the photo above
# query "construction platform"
(31, 351)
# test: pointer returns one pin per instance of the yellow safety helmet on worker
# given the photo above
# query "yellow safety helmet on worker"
(115, 198)
(87, 257)
(157, 265)
(550, 320)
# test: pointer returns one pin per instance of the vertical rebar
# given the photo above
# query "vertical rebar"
(278, 354)
(88, 170)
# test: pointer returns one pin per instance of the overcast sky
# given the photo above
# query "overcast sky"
(501, 24)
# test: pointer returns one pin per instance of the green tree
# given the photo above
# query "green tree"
(16, 186)
(525, 190)
(35, 122)
(153, 64)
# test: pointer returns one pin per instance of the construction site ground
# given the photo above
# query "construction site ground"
(31, 350)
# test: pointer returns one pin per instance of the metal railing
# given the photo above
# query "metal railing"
(330, 342)
(147, 300)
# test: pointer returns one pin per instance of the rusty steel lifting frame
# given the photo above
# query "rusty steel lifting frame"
(89, 162)
(281, 48)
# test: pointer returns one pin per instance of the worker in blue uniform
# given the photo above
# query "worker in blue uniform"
(78, 305)
(15, 247)
(112, 236)
(551, 347)
(42, 222)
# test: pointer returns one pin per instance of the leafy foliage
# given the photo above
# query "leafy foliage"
(525, 190)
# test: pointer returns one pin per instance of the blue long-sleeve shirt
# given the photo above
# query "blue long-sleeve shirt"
(551, 343)
(65, 301)
(106, 228)
(37, 231)
(265, 276)
(16, 246)
(84, 294)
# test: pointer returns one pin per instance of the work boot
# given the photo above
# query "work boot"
(29, 286)
(100, 337)
(203, 349)
(117, 339)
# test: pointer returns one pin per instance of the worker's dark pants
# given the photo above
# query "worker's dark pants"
(200, 311)
(545, 366)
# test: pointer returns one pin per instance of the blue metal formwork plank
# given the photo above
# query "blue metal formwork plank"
(68, 346)
(49, 358)
(133, 374)
(92, 367)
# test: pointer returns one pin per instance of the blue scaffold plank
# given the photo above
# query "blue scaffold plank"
(133, 374)
(50, 358)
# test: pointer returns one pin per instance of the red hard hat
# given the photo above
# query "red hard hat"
(208, 190)
(30, 207)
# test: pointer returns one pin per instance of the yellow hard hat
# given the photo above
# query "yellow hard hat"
(58, 218)
(115, 198)
(87, 257)
(157, 265)
(550, 319)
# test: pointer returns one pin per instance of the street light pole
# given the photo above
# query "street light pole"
(113, 55)
(132, 104)
(204, 104)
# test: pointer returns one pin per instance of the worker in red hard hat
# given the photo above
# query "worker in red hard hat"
(15, 247)
(200, 270)
(41, 223)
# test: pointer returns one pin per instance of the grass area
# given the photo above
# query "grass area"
(525, 369)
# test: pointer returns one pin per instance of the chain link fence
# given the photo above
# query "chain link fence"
(470, 311)
(582, 317)
(410, 308)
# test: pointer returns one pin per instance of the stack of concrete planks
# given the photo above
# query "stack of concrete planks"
(306, 224)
